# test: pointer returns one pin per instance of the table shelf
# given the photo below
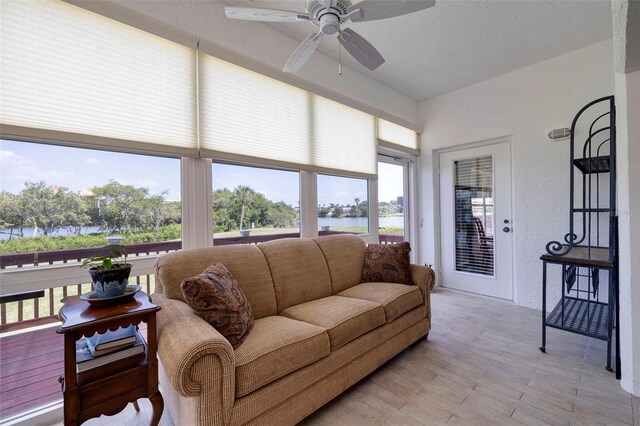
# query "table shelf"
(580, 316)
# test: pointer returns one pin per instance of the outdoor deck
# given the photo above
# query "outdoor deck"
(30, 365)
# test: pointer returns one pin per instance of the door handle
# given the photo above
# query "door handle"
(506, 229)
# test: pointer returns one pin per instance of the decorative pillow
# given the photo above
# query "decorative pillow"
(387, 263)
(216, 297)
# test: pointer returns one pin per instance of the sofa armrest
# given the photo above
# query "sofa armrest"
(196, 358)
(425, 278)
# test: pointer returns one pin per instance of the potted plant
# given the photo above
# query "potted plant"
(109, 272)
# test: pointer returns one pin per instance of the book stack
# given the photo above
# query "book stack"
(120, 349)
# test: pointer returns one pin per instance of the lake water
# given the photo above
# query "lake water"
(360, 221)
(29, 232)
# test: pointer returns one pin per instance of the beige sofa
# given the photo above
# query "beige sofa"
(317, 330)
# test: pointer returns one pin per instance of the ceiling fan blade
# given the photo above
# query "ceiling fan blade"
(264, 15)
(303, 52)
(371, 10)
(360, 49)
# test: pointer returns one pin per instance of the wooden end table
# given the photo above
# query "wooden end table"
(107, 391)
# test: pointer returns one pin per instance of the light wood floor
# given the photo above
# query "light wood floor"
(480, 366)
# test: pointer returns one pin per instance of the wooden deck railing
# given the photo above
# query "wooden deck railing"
(33, 311)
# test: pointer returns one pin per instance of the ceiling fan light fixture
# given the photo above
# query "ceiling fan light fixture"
(328, 15)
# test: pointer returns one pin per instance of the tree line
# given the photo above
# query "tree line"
(113, 208)
(358, 209)
(118, 208)
(244, 208)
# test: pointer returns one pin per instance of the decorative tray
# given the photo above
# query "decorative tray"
(94, 300)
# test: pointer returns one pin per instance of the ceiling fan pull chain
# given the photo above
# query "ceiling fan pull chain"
(339, 59)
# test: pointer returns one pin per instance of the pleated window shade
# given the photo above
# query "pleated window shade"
(395, 134)
(245, 115)
(343, 138)
(70, 70)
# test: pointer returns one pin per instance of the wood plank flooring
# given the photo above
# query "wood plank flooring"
(480, 366)
(30, 364)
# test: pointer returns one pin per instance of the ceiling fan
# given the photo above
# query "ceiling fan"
(327, 15)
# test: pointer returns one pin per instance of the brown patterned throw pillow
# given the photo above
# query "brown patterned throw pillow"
(387, 263)
(216, 297)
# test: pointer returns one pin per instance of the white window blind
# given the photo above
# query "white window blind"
(397, 135)
(343, 138)
(474, 215)
(69, 70)
(245, 115)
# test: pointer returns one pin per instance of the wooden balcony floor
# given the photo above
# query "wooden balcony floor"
(30, 364)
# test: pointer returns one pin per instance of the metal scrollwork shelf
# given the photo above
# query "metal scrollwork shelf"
(589, 254)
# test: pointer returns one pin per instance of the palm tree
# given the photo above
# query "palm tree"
(243, 196)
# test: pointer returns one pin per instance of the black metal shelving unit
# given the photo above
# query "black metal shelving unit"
(588, 257)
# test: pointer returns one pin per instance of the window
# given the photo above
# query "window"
(342, 204)
(54, 197)
(474, 215)
(391, 201)
(254, 202)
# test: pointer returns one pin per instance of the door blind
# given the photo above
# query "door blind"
(474, 225)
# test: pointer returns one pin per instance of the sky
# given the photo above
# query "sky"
(80, 169)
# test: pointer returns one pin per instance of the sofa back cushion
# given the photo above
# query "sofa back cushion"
(345, 258)
(298, 269)
(246, 263)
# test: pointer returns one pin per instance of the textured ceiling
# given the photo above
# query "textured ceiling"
(457, 43)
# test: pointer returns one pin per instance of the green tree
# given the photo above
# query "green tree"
(50, 207)
(75, 213)
(229, 214)
(243, 197)
(337, 210)
(12, 214)
(282, 215)
(173, 212)
(323, 211)
(116, 207)
(155, 211)
(222, 211)
(363, 209)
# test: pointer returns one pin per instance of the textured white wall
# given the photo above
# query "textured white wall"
(628, 109)
(626, 28)
(524, 105)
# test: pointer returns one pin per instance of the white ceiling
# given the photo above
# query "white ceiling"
(457, 43)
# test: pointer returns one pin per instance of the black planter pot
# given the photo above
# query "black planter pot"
(110, 282)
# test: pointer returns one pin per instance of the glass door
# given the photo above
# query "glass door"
(393, 200)
(475, 198)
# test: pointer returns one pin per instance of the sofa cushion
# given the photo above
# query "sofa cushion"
(396, 299)
(344, 318)
(298, 269)
(216, 297)
(246, 262)
(387, 263)
(345, 258)
(275, 347)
